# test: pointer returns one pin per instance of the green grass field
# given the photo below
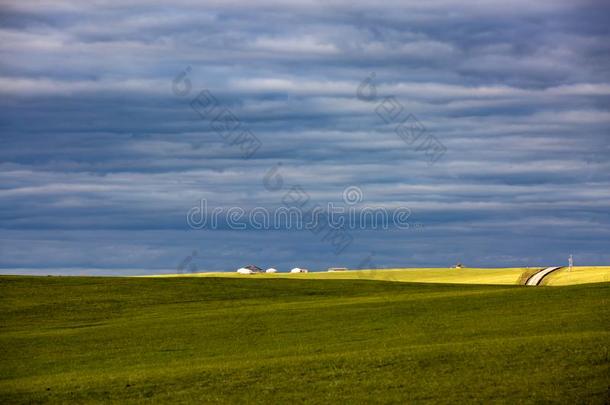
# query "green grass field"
(236, 340)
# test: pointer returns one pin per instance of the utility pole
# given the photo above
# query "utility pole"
(570, 262)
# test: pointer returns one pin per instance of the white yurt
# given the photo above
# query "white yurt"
(271, 270)
(243, 270)
(298, 270)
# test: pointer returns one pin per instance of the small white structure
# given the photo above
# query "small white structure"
(271, 270)
(299, 270)
(243, 270)
(249, 269)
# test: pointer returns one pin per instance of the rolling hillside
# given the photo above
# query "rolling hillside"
(230, 340)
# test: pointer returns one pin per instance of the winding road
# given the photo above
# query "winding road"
(537, 278)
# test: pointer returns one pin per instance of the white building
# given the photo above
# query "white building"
(249, 269)
(271, 270)
(299, 270)
(243, 270)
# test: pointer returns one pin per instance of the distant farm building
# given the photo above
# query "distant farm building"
(271, 270)
(299, 270)
(250, 269)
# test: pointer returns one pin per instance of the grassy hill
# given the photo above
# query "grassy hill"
(219, 340)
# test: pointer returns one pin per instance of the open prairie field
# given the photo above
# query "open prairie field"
(578, 275)
(499, 276)
(280, 340)
(504, 276)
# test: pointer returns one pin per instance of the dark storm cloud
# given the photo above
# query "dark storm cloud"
(99, 155)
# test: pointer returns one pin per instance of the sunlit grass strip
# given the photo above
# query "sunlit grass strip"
(492, 276)
(578, 275)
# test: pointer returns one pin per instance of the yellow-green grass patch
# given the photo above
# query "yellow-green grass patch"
(578, 275)
(500, 276)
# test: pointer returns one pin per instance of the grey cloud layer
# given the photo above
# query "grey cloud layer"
(95, 143)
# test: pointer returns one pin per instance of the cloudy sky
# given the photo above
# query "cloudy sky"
(103, 154)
